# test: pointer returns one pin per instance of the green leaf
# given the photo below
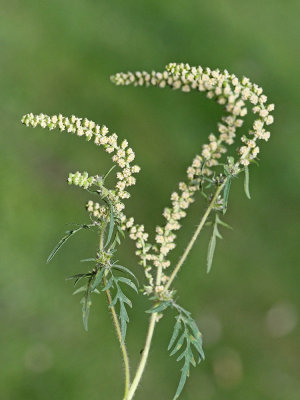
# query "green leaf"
(222, 222)
(64, 239)
(123, 316)
(175, 334)
(124, 298)
(178, 344)
(127, 282)
(114, 301)
(109, 284)
(182, 355)
(61, 243)
(184, 374)
(98, 278)
(192, 339)
(196, 339)
(246, 182)
(211, 251)
(77, 277)
(160, 307)
(121, 232)
(213, 240)
(107, 173)
(125, 269)
(194, 328)
(117, 239)
(86, 305)
(226, 193)
(80, 290)
(216, 232)
(124, 320)
(111, 226)
(119, 296)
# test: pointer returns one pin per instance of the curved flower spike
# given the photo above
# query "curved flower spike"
(234, 95)
(122, 155)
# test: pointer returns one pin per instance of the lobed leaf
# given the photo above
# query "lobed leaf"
(175, 334)
(125, 269)
(127, 282)
(192, 339)
(178, 344)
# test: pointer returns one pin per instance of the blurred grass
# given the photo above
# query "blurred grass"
(57, 57)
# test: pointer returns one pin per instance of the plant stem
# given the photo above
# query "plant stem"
(143, 360)
(117, 326)
(194, 237)
(146, 349)
(153, 320)
(122, 345)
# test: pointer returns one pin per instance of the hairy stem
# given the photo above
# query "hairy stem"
(194, 237)
(153, 318)
(117, 327)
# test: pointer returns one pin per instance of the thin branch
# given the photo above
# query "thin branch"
(153, 318)
(194, 237)
(117, 327)
(144, 358)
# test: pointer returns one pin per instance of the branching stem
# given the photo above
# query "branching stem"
(153, 318)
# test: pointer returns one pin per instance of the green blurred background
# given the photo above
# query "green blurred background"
(57, 56)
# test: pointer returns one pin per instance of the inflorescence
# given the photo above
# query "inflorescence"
(108, 213)
(232, 94)
(122, 155)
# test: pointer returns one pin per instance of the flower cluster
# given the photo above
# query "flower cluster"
(82, 180)
(97, 211)
(165, 236)
(138, 234)
(227, 90)
(122, 155)
(232, 94)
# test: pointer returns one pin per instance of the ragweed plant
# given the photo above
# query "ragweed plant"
(211, 173)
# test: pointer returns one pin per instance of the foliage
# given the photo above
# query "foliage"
(213, 240)
(186, 337)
